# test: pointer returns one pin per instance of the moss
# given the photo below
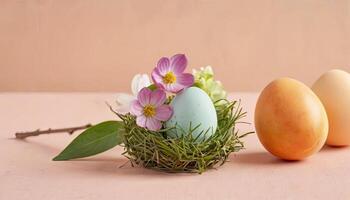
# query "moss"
(156, 151)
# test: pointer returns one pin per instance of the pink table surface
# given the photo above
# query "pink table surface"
(27, 172)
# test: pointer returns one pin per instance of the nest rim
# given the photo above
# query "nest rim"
(155, 150)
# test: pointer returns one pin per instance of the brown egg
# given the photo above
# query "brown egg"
(333, 89)
(290, 120)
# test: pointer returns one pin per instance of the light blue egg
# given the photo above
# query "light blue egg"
(192, 107)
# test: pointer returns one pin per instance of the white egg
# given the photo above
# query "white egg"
(192, 107)
(333, 89)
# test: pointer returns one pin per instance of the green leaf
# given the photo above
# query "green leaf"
(94, 140)
(152, 87)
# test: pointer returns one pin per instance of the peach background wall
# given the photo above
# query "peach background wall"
(98, 45)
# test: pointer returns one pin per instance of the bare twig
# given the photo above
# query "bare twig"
(71, 130)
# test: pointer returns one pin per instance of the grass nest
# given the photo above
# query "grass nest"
(155, 150)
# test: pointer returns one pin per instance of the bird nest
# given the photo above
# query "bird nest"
(155, 150)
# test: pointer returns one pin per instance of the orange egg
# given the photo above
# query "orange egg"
(290, 120)
(333, 89)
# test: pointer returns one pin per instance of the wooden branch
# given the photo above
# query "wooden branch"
(71, 130)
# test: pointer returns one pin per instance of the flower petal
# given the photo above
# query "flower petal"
(163, 112)
(123, 102)
(134, 83)
(157, 77)
(163, 65)
(158, 97)
(138, 82)
(122, 109)
(141, 121)
(178, 63)
(186, 79)
(144, 96)
(153, 124)
(136, 108)
(174, 88)
(124, 99)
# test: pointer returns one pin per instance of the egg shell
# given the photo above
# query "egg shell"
(333, 89)
(290, 120)
(192, 107)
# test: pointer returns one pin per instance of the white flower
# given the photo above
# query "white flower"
(138, 82)
(124, 99)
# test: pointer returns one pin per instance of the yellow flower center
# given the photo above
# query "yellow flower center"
(169, 78)
(149, 111)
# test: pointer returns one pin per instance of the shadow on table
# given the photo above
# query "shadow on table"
(103, 164)
(121, 166)
(259, 158)
(327, 148)
(32, 144)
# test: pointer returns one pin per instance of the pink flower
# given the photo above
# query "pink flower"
(150, 110)
(169, 76)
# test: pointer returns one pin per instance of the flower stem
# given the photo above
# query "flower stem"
(70, 130)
